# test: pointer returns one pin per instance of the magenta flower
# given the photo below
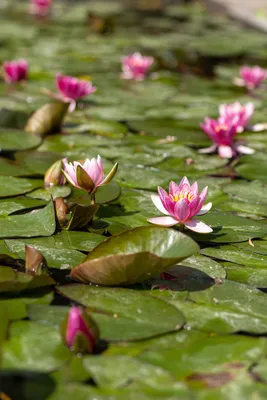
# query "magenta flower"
(71, 89)
(251, 77)
(81, 332)
(240, 115)
(180, 206)
(89, 175)
(222, 132)
(15, 71)
(40, 7)
(136, 66)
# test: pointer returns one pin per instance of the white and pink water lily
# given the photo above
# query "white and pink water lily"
(222, 132)
(88, 175)
(15, 71)
(251, 77)
(181, 205)
(240, 115)
(71, 89)
(40, 8)
(136, 66)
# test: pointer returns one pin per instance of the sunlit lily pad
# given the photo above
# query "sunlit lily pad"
(134, 256)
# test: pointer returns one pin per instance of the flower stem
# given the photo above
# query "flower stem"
(181, 228)
(92, 198)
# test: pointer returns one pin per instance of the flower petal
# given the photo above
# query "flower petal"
(198, 226)
(225, 151)
(244, 149)
(182, 210)
(157, 203)
(208, 150)
(184, 181)
(205, 209)
(163, 221)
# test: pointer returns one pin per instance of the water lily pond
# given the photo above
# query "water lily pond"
(119, 279)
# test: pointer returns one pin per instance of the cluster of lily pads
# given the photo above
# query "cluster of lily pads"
(84, 224)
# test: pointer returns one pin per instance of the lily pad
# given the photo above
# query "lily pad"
(124, 314)
(15, 140)
(36, 223)
(10, 186)
(134, 256)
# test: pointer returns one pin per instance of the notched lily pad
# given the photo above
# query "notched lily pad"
(134, 256)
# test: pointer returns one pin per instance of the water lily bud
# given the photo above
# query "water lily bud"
(80, 331)
(54, 175)
(34, 261)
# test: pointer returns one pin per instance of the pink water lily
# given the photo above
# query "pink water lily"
(222, 132)
(15, 71)
(88, 175)
(136, 66)
(240, 115)
(251, 77)
(181, 205)
(40, 7)
(81, 332)
(71, 89)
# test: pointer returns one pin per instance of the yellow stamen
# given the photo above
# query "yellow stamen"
(221, 127)
(182, 195)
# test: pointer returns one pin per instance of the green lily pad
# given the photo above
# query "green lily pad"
(134, 256)
(10, 186)
(15, 140)
(124, 314)
(34, 347)
(36, 223)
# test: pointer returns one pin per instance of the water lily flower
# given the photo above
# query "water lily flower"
(15, 71)
(251, 77)
(239, 114)
(40, 7)
(71, 89)
(222, 132)
(136, 66)
(81, 332)
(54, 175)
(88, 175)
(181, 205)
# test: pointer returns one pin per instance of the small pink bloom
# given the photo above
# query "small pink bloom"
(252, 77)
(181, 205)
(222, 132)
(89, 175)
(71, 89)
(81, 333)
(15, 71)
(136, 66)
(40, 7)
(240, 115)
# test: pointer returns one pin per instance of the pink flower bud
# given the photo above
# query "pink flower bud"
(54, 175)
(15, 71)
(80, 331)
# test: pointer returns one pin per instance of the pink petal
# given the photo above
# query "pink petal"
(184, 181)
(173, 188)
(244, 149)
(203, 194)
(163, 221)
(157, 203)
(205, 209)
(194, 188)
(182, 210)
(225, 151)
(208, 150)
(198, 226)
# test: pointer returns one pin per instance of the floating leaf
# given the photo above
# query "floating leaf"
(36, 223)
(134, 256)
(124, 314)
(15, 140)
